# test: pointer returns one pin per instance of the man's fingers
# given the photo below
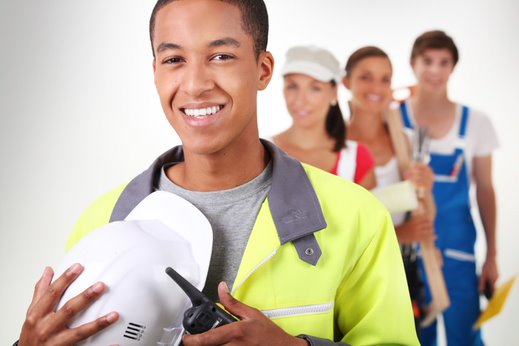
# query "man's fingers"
(227, 299)
(55, 290)
(51, 327)
(42, 284)
(217, 336)
(234, 306)
(79, 303)
(46, 294)
(482, 281)
(74, 335)
(231, 304)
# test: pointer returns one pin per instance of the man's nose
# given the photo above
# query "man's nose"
(435, 68)
(197, 79)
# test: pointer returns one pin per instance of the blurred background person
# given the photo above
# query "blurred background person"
(462, 140)
(317, 135)
(372, 122)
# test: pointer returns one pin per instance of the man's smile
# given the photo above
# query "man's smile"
(198, 112)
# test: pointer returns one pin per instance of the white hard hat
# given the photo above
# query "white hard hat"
(130, 257)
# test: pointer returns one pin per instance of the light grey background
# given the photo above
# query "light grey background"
(79, 113)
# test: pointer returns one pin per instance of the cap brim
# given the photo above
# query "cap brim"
(311, 69)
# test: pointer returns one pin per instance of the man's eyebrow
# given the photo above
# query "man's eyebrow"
(167, 45)
(226, 41)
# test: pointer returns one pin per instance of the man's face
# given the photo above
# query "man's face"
(433, 68)
(207, 74)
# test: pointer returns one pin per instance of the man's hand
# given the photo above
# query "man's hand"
(489, 275)
(254, 328)
(45, 326)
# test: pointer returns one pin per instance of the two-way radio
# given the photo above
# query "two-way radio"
(204, 314)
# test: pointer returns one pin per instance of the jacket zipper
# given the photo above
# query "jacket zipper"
(298, 310)
(235, 287)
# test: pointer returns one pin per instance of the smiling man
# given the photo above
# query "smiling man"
(312, 259)
(208, 72)
(462, 140)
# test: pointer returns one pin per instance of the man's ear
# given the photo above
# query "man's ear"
(154, 63)
(411, 62)
(346, 82)
(265, 69)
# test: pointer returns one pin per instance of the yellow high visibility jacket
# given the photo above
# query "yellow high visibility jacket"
(322, 259)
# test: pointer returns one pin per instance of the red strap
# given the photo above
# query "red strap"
(365, 163)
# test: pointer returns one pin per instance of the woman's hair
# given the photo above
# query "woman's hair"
(335, 125)
(361, 54)
(435, 39)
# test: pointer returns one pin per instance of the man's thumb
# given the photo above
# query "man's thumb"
(229, 303)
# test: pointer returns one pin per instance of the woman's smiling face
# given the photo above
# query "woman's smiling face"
(308, 100)
(370, 84)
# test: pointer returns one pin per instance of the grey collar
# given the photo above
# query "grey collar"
(293, 203)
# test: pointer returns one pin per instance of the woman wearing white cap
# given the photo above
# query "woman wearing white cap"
(317, 135)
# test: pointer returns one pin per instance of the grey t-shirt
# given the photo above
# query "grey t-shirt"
(232, 214)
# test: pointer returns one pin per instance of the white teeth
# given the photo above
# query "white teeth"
(375, 98)
(302, 113)
(202, 112)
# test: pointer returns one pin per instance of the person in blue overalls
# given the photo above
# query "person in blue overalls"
(461, 142)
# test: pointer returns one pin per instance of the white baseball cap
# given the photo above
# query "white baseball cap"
(313, 61)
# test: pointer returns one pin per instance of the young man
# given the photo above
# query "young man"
(312, 258)
(461, 146)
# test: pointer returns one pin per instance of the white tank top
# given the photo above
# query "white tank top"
(389, 174)
(347, 165)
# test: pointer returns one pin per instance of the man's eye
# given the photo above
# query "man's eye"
(223, 57)
(445, 62)
(172, 60)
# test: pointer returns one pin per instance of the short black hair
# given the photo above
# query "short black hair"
(254, 15)
(434, 39)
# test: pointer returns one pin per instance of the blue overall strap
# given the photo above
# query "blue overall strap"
(464, 121)
(405, 116)
(460, 146)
